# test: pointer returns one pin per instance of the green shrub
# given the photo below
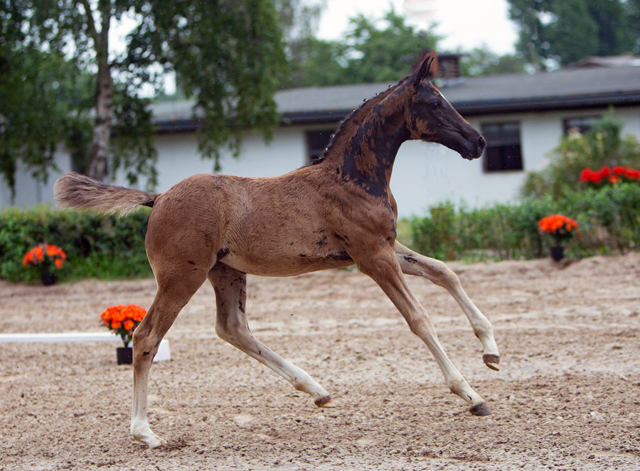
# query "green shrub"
(603, 145)
(438, 232)
(97, 245)
(609, 220)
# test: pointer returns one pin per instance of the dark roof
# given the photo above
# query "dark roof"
(610, 61)
(562, 89)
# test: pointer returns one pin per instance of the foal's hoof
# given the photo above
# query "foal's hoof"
(324, 401)
(492, 361)
(159, 443)
(481, 409)
(146, 436)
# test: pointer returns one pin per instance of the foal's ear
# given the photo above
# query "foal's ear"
(427, 67)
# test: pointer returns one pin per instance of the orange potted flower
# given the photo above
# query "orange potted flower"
(560, 229)
(45, 256)
(122, 320)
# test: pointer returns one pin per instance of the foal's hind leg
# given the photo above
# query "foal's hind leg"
(174, 291)
(232, 326)
(413, 263)
(384, 269)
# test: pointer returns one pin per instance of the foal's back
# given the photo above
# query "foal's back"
(276, 226)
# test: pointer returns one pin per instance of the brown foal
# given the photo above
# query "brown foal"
(335, 213)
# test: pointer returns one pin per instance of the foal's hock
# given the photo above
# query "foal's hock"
(335, 213)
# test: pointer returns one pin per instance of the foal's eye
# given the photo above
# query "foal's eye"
(435, 105)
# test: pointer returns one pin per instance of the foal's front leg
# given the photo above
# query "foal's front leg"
(232, 326)
(384, 269)
(438, 272)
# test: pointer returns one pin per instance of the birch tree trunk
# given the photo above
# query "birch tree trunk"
(98, 163)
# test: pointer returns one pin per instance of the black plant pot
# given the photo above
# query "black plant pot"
(557, 253)
(48, 279)
(125, 355)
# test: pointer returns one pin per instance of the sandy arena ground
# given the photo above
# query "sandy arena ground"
(568, 395)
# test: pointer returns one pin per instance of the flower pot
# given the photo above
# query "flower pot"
(48, 279)
(125, 355)
(557, 253)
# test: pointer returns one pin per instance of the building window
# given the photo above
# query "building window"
(317, 142)
(503, 150)
(582, 124)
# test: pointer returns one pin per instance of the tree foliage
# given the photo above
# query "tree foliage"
(373, 51)
(229, 57)
(38, 95)
(482, 61)
(570, 30)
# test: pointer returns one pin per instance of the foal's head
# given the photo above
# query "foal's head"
(431, 117)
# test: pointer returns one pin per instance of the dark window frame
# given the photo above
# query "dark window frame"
(504, 147)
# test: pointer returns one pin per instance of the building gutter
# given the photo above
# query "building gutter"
(619, 99)
(485, 107)
(465, 108)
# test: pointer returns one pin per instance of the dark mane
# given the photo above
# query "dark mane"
(352, 116)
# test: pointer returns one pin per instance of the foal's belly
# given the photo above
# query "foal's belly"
(286, 265)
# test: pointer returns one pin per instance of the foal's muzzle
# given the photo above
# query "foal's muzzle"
(473, 149)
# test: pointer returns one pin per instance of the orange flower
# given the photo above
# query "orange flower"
(123, 319)
(38, 253)
(139, 314)
(613, 180)
(27, 258)
(557, 225)
(44, 252)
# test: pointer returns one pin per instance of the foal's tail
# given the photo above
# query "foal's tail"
(73, 190)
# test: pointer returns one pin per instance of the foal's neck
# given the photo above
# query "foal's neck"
(368, 141)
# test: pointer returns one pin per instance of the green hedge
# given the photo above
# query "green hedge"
(97, 245)
(609, 220)
(107, 247)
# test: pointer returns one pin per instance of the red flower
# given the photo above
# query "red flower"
(610, 175)
(586, 175)
(632, 174)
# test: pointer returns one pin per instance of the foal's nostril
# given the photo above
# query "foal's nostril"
(481, 143)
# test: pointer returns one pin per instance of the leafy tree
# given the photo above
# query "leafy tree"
(299, 19)
(570, 30)
(602, 145)
(38, 93)
(228, 55)
(614, 20)
(481, 61)
(574, 35)
(370, 53)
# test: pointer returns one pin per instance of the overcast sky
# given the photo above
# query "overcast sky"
(464, 23)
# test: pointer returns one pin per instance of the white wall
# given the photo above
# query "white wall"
(178, 157)
(424, 174)
(30, 191)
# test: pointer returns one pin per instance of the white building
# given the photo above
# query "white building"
(522, 116)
